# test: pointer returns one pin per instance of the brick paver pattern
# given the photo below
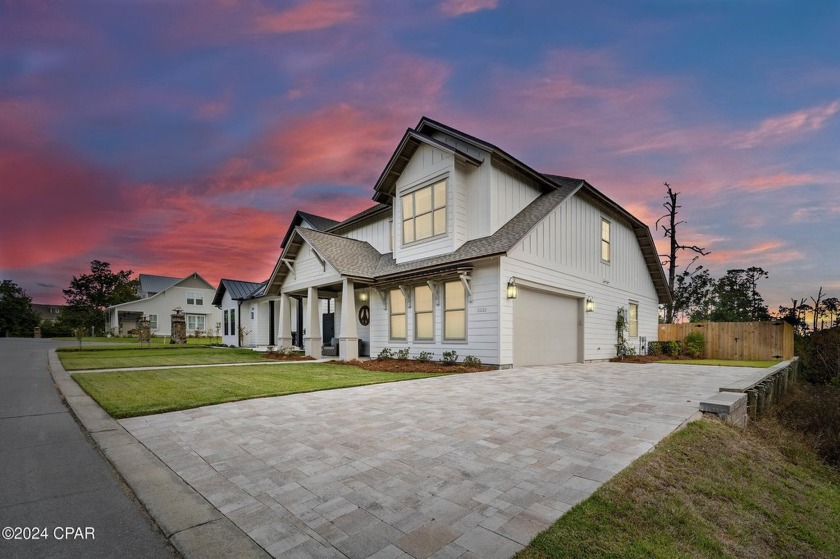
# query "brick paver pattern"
(470, 465)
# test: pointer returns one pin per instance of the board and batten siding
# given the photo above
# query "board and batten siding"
(309, 271)
(375, 231)
(563, 252)
(509, 194)
(426, 166)
(482, 321)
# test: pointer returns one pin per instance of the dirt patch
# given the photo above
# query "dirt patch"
(283, 357)
(412, 366)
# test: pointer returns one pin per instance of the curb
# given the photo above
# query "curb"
(191, 524)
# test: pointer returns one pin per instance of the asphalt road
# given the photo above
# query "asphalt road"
(54, 484)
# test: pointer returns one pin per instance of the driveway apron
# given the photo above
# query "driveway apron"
(470, 465)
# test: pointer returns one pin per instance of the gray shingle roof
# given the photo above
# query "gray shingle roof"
(351, 257)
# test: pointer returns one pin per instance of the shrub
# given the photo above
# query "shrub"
(821, 357)
(472, 361)
(814, 410)
(385, 354)
(402, 354)
(450, 357)
(425, 356)
(694, 345)
(665, 348)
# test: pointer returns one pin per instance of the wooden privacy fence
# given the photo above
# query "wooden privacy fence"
(737, 340)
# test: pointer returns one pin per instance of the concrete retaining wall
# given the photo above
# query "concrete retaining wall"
(754, 396)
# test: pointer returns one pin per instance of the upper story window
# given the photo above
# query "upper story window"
(397, 307)
(633, 320)
(195, 297)
(606, 253)
(424, 212)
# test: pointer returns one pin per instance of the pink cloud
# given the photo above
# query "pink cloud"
(454, 8)
(311, 15)
(780, 180)
(762, 254)
(787, 127)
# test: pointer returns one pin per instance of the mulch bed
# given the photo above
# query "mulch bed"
(412, 366)
(281, 357)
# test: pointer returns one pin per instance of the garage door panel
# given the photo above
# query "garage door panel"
(545, 328)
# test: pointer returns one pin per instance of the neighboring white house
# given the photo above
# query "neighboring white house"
(160, 295)
(469, 249)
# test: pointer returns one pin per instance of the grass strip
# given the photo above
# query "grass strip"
(132, 393)
(708, 490)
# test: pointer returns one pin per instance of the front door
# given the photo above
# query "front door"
(328, 327)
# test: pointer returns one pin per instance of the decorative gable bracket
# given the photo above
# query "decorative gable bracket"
(406, 291)
(290, 266)
(435, 287)
(384, 296)
(465, 280)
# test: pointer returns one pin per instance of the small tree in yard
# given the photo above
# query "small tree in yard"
(90, 294)
(669, 228)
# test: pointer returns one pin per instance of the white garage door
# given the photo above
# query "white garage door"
(545, 328)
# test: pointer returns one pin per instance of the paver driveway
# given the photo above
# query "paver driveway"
(462, 466)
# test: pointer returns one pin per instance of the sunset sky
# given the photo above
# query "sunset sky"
(180, 136)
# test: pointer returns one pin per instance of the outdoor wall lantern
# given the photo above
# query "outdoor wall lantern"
(590, 304)
(511, 288)
(363, 296)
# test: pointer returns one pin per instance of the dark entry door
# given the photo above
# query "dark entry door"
(328, 326)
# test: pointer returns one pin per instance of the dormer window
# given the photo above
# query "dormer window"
(424, 212)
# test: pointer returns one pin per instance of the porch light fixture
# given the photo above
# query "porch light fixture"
(511, 288)
(363, 296)
(590, 304)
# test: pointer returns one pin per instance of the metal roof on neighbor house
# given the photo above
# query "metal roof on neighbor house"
(155, 284)
(238, 290)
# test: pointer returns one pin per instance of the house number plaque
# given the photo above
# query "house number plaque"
(364, 315)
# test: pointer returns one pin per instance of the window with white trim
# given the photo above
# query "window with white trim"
(195, 297)
(424, 212)
(226, 322)
(633, 320)
(195, 322)
(424, 324)
(153, 321)
(232, 322)
(605, 240)
(454, 311)
(396, 306)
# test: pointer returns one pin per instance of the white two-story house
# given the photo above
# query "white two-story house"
(469, 249)
(159, 296)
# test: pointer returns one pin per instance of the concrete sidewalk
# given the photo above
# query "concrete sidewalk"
(161, 367)
(192, 525)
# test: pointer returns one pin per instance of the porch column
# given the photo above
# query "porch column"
(348, 337)
(312, 341)
(284, 336)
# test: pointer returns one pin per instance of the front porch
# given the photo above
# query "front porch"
(342, 332)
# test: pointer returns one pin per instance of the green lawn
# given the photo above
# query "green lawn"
(75, 359)
(163, 341)
(709, 490)
(721, 362)
(132, 393)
